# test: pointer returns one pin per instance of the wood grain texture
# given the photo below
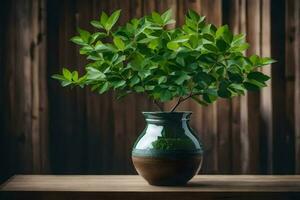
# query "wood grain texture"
(90, 134)
(131, 183)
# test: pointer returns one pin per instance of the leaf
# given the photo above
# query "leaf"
(153, 44)
(103, 19)
(96, 24)
(66, 83)
(162, 79)
(58, 77)
(193, 15)
(104, 88)
(238, 39)
(94, 74)
(254, 60)
(223, 90)
(240, 48)
(182, 77)
(139, 89)
(209, 37)
(166, 16)
(250, 86)
(165, 95)
(267, 61)
(258, 76)
(78, 40)
(172, 45)
(67, 74)
(75, 76)
(118, 84)
(222, 45)
(112, 20)
(85, 35)
(119, 43)
(210, 47)
(134, 80)
(157, 18)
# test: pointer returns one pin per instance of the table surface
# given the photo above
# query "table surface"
(133, 183)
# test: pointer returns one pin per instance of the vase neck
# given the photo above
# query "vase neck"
(167, 117)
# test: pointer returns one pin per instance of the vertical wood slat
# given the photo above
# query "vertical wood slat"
(291, 66)
(251, 130)
(266, 96)
(212, 11)
(25, 43)
(232, 16)
(281, 136)
(297, 85)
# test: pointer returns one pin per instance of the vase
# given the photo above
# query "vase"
(168, 151)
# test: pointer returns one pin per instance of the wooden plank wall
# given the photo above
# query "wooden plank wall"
(49, 129)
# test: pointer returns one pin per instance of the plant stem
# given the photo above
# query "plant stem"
(158, 105)
(180, 100)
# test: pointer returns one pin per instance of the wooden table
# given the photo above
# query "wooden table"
(44, 187)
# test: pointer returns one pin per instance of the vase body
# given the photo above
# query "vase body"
(167, 152)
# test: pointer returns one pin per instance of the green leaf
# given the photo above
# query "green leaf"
(165, 95)
(238, 39)
(118, 84)
(172, 45)
(104, 88)
(67, 74)
(210, 47)
(75, 76)
(258, 76)
(240, 48)
(134, 80)
(103, 19)
(222, 45)
(267, 61)
(166, 16)
(250, 86)
(58, 77)
(182, 77)
(223, 90)
(162, 79)
(193, 15)
(209, 37)
(96, 24)
(94, 74)
(78, 40)
(85, 35)
(157, 18)
(119, 43)
(254, 60)
(66, 83)
(112, 20)
(139, 89)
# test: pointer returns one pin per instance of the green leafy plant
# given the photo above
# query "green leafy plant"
(195, 61)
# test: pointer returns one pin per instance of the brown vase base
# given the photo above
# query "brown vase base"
(167, 172)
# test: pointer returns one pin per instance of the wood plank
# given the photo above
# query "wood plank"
(290, 67)
(127, 183)
(281, 136)
(297, 86)
(266, 131)
(231, 12)
(212, 11)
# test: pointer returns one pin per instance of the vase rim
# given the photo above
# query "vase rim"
(167, 112)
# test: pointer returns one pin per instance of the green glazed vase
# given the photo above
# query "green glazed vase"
(168, 151)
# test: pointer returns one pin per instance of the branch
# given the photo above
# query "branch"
(158, 105)
(176, 105)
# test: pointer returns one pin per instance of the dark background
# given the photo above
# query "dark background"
(48, 129)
